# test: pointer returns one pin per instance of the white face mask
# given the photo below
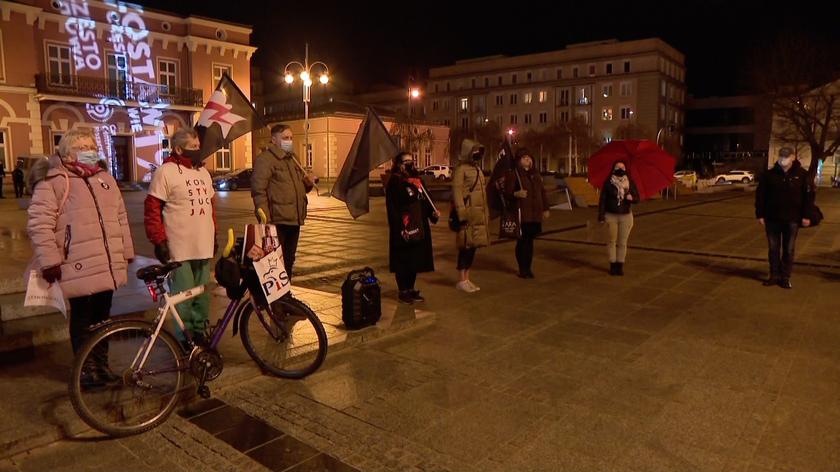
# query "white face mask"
(87, 157)
(286, 145)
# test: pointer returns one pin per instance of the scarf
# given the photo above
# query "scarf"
(82, 170)
(622, 185)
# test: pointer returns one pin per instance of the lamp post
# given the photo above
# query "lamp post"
(413, 94)
(305, 72)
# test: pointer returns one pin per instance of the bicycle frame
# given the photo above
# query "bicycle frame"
(169, 302)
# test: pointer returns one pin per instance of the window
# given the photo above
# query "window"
(591, 70)
(473, 83)
(626, 89)
(626, 67)
(486, 82)
(513, 119)
(465, 104)
(626, 113)
(56, 138)
(528, 77)
(574, 72)
(446, 123)
(117, 75)
(564, 97)
(607, 113)
(513, 78)
(309, 156)
(4, 153)
(436, 88)
(500, 100)
(465, 123)
(446, 105)
(528, 120)
(582, 115)
(663, 89)
(499, 120)
(564, 116)
(559, 74)
(543, 96)
(528, 97)
(513, 99)
(543, 118)
(583, 96)
(609, 68)
(58, 65)
(500, 80)
(447, 86)
(165, 148)
(428, 156)
(607, 90)
(219, 70)
(435, 105)
(223, 158)
(168, 71)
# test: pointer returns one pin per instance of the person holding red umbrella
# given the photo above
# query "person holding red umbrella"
(617, 195)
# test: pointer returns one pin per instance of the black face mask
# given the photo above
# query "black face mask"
(194, 156)
(620, 172)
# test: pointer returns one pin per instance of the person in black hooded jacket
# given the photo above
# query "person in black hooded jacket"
(783, 202)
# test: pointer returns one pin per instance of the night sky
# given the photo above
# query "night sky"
(368, 46)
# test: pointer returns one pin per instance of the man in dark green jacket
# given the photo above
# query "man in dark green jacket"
(279, 187)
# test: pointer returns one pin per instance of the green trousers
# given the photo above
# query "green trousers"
(196, 311)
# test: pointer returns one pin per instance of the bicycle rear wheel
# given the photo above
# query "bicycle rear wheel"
(111, 394)
(289, 341)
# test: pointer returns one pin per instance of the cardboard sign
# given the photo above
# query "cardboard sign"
(272, 275)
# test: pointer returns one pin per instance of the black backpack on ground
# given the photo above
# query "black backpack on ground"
(360, 300)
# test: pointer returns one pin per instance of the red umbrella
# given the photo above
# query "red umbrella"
(650, 168)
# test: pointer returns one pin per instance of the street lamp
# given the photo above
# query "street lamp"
(307, 70)
(413, 94)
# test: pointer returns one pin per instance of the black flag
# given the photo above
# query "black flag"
(226, 116)
(371, 147)
(505, 164)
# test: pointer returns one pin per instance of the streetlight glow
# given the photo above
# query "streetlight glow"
(289, 78)
(415, 93)
(324, 79)
(304, 76)
(307, 82)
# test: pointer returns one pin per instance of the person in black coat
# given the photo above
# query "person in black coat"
(410, 236)
(783, 201)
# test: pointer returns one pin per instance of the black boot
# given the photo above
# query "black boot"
(406, 297)
(613, 268)
(619, 268)
(770, 281)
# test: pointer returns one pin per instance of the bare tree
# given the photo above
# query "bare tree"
(798, 75)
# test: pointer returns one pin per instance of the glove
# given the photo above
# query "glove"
(520, 194)
(162, 252)
(51, 274)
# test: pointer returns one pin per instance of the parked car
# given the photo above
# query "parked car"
(440, 172)
(735, 176)
(234, 180)
(688, 177)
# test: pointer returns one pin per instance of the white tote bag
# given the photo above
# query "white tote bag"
(39, 292)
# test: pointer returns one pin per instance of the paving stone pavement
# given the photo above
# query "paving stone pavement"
(687, 363)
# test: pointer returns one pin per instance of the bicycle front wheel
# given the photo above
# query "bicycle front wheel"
(288, 341)
(112, 393)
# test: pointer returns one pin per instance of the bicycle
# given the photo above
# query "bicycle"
(131, 374)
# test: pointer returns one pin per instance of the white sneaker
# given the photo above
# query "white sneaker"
(465, 286)
(475, 287)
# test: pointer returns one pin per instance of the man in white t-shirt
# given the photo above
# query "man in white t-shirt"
(180, 222)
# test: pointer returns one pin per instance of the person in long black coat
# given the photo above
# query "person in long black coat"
(410, 238)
